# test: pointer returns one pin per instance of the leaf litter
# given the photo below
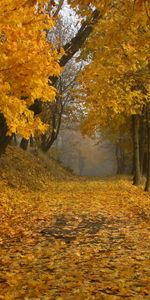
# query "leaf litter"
(64, 237)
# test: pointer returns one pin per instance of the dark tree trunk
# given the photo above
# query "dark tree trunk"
(31, 141)
(37, 109)
(142, 140)
(145, 163)
(147, 186)
(4, 139)
(57, 111)
(77, 42)
(24, 144)
(136, 156)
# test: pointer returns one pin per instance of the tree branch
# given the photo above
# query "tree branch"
(77, 42)
(61, 2)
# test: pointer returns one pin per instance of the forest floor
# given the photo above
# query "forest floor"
(69, 238)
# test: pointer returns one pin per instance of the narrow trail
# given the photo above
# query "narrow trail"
(74, 239)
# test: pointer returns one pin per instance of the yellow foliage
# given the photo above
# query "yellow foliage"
(27, 60)
(116, 82)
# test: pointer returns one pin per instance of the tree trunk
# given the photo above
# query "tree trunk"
(31, 141)
(147, 186)
(142, 139)
(4, 139)
(136, 150)
(56, 116)
(24, 144)
(37, 109)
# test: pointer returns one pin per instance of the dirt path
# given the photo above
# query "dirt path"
(76, 240)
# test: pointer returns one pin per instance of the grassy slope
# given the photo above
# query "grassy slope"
(64, 237)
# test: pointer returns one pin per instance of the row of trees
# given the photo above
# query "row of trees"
(114, 82)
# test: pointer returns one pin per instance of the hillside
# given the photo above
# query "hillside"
(29, 169)
(63, 238)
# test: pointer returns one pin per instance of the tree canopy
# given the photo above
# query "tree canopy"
(27, 60)
(116, 81)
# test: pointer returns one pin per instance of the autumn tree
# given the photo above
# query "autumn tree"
(116, 82)
(71, 42)
(27, 60)
(65, 108)
(29, 22)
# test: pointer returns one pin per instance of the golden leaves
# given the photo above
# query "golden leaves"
(109, 255)
(26, 62)
(112, 84)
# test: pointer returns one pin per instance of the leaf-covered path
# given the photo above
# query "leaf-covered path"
(74, 238)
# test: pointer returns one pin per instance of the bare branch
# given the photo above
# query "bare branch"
(61, 2)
